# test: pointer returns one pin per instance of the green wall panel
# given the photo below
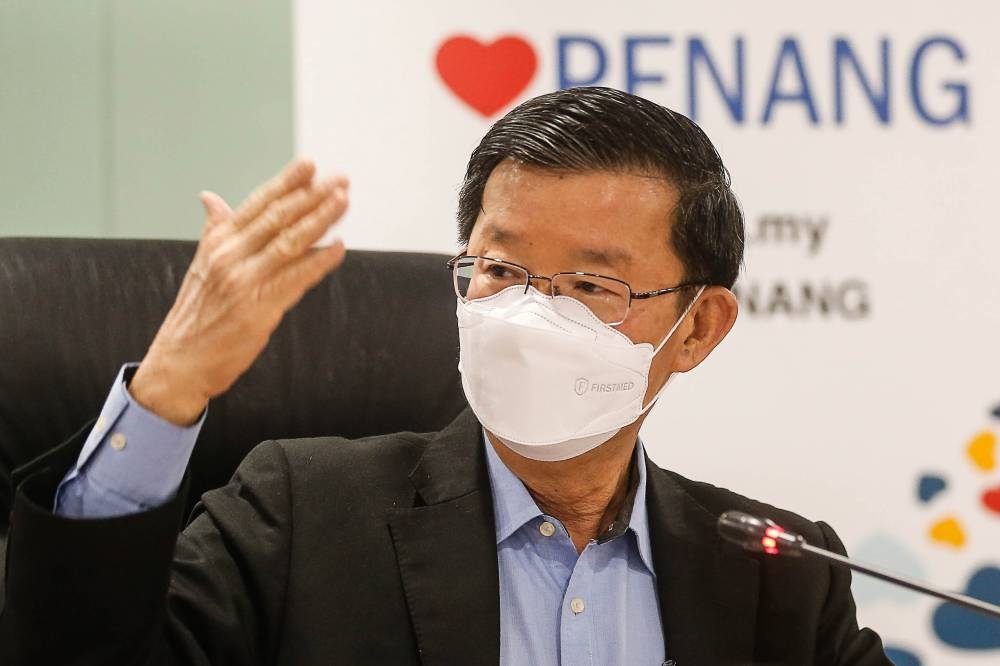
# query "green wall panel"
(202, 100)
(116, 113)
(53, 56)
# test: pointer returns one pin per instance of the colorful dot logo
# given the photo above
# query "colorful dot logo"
(955, 626)
(951, 531)
(981, 453)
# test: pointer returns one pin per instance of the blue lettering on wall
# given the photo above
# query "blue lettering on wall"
(632, 77)
(587, 43)
(715, 79)
(960, 113)
(843, 54)
(732, 95)
(802, 93)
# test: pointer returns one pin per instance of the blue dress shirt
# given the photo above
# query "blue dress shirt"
(557, 607)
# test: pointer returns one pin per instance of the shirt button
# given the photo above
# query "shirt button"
(577, 605)
(118, 441)
(547, 528)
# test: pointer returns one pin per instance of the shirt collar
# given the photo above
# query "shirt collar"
(513, 506)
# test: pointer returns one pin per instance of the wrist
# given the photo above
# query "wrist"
(164, 393)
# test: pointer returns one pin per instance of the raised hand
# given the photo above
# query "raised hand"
(252, 265)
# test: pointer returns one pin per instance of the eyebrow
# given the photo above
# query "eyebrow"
(500, 235)
(610, 256)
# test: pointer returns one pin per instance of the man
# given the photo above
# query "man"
(600, 239)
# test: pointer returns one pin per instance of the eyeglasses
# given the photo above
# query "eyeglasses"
(607, 297)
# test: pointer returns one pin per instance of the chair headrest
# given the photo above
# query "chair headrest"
(372, 349)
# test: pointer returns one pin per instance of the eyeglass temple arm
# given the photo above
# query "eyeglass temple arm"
(639, 295)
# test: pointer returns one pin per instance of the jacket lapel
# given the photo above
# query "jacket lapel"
(707, 590)
(446, 551)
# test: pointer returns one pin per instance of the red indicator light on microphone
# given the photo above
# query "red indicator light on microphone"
(769, 542)
(774, 532)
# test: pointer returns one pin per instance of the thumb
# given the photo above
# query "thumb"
(216, 209)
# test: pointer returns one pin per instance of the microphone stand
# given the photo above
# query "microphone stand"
(762, 535)
(909, 583)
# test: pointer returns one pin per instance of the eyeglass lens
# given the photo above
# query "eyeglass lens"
(479, 277)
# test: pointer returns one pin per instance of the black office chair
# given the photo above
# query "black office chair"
(372, 349)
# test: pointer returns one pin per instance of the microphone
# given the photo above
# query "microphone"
(761, 535)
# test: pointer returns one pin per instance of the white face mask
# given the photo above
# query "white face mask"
(546, 376)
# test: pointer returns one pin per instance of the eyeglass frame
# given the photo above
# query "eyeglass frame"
(632, 295)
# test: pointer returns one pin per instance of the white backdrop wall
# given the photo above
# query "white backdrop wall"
(861, 384)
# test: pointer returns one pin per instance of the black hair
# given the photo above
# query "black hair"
(602, 129)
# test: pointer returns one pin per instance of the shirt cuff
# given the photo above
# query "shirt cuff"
(131, 453)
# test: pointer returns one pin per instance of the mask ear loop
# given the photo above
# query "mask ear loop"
(663, 342)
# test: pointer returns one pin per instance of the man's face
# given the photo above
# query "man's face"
(602, 222)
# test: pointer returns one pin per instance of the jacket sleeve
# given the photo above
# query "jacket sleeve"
(839, 641)
(128, 590)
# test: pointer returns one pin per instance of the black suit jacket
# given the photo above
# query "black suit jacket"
(378, 551)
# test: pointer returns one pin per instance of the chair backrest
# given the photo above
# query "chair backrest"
(372, 349)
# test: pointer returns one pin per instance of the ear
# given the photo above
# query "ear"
(708, 322)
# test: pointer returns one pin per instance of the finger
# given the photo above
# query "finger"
(295, 279)
(295, 240)
(284, 212)
(216, 208)
(295, 175)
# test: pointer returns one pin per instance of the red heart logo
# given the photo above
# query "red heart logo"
(991, 500)
(487, 77)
